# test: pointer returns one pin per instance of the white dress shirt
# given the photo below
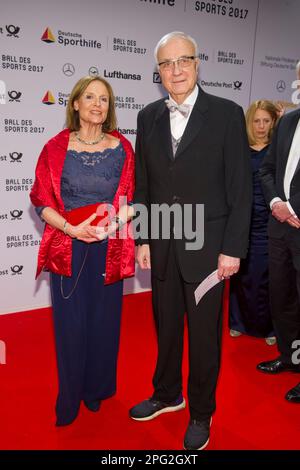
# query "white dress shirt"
(291, 166)
(178, 122)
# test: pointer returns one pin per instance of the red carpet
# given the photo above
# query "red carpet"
(251, 410)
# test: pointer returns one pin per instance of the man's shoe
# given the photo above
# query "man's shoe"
(93, 405)
(293, 395)
(276, 366)
(150, 409)
(197, 434)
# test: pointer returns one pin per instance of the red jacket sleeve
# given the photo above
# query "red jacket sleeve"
(42, 193)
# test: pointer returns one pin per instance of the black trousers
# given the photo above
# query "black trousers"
(172, 297)
(284, 277)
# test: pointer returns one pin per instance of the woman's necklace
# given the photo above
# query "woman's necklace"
(93, 142)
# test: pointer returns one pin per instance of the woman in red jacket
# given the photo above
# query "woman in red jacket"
(84, 165)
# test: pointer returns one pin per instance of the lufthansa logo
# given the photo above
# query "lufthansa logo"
(15, 156)
(156, 77)
(68, 69)
(14, 95)
(12, 30)
(281, 86)
(16, 269)
(16, 214)
(93, 71)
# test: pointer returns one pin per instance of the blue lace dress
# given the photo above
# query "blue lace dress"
(249, 307)
(90, 177)
(86, 312)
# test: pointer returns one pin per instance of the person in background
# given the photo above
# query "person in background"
(87, 163)
(288, 106)
(191, 150)
(280, 179)
(298, 72)
(249, 303)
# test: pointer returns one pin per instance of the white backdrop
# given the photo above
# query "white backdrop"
(248, 50)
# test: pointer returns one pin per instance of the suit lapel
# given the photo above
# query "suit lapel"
(289, 139)
(164, 130)
(195, 123)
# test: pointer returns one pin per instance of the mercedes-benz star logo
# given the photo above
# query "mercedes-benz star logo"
(68, 69)
(281, 86)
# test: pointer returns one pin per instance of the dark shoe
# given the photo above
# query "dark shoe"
(93, 405)
(276, 366)
(64, 422)
(293, 395)
(197, 434)
(150, 409)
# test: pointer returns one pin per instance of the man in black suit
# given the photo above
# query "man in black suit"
(280, 178)
(187, 156)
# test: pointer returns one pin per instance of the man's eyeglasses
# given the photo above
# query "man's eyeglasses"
(182, 62)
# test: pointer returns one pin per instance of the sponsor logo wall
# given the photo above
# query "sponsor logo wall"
(44, 51)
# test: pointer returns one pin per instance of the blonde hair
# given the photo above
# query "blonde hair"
(72, 116)
(264, 105)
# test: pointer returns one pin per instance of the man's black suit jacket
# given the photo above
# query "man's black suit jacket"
(212, 167)
(272, 173)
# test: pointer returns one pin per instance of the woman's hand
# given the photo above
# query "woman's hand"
(116, 223)
(100, 233)
(83, 230)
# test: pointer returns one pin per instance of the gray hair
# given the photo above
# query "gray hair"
(298, 69)
(175, 34)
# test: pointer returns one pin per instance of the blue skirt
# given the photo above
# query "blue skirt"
(87, 318)
(249, 303)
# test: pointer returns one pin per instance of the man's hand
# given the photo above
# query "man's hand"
(143, 257)
(293, 221)
(281, 211)
(227, 266)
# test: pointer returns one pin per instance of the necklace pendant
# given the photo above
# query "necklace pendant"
(93, 142)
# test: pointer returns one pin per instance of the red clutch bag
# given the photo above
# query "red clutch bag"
(78, 215)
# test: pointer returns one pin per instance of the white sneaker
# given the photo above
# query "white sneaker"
(235, 333)
(271, 340)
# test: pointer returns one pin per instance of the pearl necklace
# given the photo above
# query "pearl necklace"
(93, 142)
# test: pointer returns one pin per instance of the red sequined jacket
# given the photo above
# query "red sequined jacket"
(55, 253)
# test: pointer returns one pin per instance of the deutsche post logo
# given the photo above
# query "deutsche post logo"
(12, 31)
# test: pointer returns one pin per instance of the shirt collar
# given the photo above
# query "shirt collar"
(191, 99)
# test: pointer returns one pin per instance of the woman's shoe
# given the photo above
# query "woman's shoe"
(93, 405)
(64, 422)
(271, 340)
(235, 333)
